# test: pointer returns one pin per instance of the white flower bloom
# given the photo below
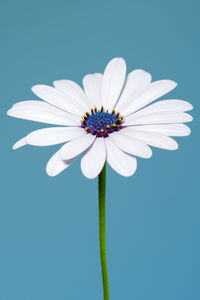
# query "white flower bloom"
(111, 119)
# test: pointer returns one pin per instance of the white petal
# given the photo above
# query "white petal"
(73, 92)
(94, 158)
(44, 107)
(152, 138)
(130, 145)
(56, 165)
(76, 146)
(19, 144)
(166, 129)
(53, 135)
(152, 92)
(92, 85)
(113, 81)
(121, 162)
(57, 98)
(135, 82)
(165, 105)
(42, 112)
(158, 118)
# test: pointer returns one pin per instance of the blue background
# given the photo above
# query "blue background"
(49, 226)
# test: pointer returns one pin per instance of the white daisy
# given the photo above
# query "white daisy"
(111, 120)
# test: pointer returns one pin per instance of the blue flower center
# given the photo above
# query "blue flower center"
(101, 123)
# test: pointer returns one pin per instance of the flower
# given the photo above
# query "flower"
(111, 119)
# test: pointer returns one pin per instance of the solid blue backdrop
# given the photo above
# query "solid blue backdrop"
(49, 226)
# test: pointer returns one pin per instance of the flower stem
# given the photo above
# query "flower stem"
(102, 231)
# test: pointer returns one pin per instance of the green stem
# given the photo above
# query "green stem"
(102, 231)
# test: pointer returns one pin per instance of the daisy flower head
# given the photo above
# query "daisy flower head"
(112, 119)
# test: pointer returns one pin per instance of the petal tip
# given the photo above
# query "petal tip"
(190, 106)
(89, 176)
(189, 118)
(36, 88)
(117, 60)
(19, 144)
(188, 132)
(49, 170)
(129, 174)
(175, 147)
(148, 153)
(50, 173)
(9, 112)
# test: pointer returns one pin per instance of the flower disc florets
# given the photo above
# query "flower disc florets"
(101, 123)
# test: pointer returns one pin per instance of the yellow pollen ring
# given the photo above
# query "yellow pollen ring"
(122, 117)
(102, 130)
(86, 128)
(114, 125)
(107, 126)
(83, 120)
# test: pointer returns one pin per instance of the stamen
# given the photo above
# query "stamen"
(100, 122)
